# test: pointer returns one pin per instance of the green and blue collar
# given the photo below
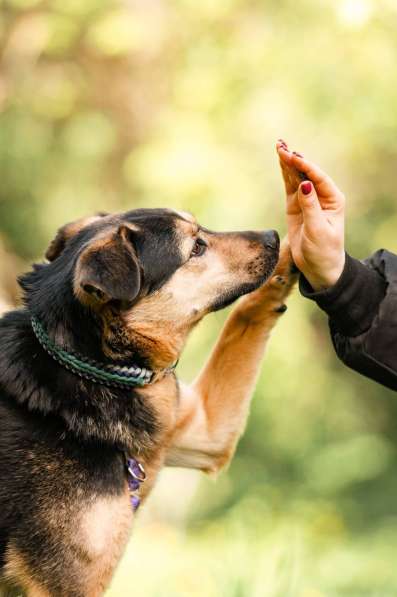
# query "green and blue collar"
(105, 374)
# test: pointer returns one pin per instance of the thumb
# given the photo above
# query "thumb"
(309, 204)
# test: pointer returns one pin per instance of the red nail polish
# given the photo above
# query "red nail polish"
(306, 188)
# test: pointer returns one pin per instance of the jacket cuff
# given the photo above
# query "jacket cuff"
(353, 302)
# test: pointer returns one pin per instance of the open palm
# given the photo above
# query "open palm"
(315, 220)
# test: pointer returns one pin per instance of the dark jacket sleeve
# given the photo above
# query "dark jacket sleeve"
(362, 310)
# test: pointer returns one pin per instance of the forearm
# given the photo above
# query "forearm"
(370, 354)
(353, 302)
(363, 316)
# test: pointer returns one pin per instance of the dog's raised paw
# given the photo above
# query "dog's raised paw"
(282, 281)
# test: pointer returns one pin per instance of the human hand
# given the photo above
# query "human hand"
(315, 219)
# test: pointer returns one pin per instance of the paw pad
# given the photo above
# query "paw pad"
(281, 280)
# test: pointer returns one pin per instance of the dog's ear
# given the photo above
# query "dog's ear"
(108, 270)
(67, 231)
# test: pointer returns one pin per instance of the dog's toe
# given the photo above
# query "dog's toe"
(281, 309)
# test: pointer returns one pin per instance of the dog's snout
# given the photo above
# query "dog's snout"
(271, 239)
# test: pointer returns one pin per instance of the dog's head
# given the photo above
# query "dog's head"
(150, 274)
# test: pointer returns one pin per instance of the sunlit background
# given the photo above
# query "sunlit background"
(115, 105)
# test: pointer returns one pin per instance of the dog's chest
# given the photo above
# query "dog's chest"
(105, 521)
(103, 531)
(105, 524)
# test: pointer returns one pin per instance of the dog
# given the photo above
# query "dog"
(90, 405)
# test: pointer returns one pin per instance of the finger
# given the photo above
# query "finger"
(284, 153)
(313, 216)
(323, 182)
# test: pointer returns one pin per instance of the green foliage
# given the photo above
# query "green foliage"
(108, 106)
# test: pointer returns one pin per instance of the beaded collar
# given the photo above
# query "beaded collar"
(106, 374)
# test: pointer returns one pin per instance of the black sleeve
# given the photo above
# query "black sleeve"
(362, 310)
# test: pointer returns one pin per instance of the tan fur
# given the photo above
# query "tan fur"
(100, 243)
(103, 533)
(160, 323)
(17, 571)
(103, 241)
(67, 232)
(185, 215)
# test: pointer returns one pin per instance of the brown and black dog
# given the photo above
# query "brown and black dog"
(116, 290)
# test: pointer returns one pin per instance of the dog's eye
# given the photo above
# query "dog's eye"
(198, 248)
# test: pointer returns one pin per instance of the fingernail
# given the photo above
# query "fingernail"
(306, 188)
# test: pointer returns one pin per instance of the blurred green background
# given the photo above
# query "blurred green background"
(111, 105)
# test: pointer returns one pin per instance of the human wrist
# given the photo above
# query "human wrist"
(326, 277)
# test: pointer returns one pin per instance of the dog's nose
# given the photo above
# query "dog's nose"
(271, 239)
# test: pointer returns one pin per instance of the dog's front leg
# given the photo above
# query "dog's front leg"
(213, 410)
